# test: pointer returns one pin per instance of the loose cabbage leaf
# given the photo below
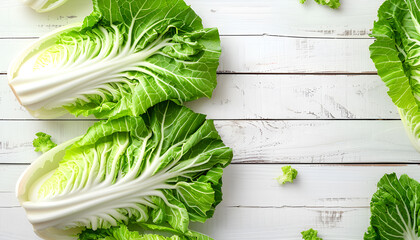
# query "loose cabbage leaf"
(334, 4)
(162, 168)
(122, 232)
(124, 58)
(395, 209)
(44, 5)
(310, 235)
(396, 54)
(289, 174)
(43, 142)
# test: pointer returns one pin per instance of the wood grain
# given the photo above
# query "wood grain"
(297, 97)
(241, 223)
(270, 17)
(273, 97)
(272, 141)
(267, 54)
(333, 199)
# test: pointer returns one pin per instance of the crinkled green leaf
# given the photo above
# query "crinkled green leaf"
(334, 4)
(395, 209)
(289, 174)
(310, 235)
(122, 232)
(43, 142)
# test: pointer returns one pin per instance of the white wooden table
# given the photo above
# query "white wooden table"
(296, 86)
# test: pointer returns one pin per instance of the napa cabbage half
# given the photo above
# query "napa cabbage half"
(396, 54)
(163, 168)
(122, 59)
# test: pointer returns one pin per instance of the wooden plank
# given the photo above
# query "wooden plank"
(333, 199)
(295, 97)
(267, 54)
(232, 17)
(285, 223)
(254, 185)
(254, 141)
(241, 223)
(273, 97)
(14, 225)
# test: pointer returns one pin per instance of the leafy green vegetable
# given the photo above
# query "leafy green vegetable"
(43, 142)
(310, 235)
(121, 232)
(162, 168)
(395, 209)
(334, 4)
(124, 58)
(289, 174)
(44, 5)
(396, 54)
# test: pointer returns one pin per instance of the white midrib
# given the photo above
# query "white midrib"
(126, 192)
(52, 213)
(56, 88)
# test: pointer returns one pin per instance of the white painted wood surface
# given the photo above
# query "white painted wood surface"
(331, 198)
(296, 86)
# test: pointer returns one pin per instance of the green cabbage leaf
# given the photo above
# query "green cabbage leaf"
(121, 60)
(122, 232)
(161, 168)
(289, 174)
(310, 234)
(334, 4)
(43, 142)
(396, 54)
(395, 209)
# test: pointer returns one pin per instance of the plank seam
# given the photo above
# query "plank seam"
(237, 35)
(290, 206)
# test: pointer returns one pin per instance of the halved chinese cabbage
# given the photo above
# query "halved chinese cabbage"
(163, 168)
(124, 58)
(396, 54)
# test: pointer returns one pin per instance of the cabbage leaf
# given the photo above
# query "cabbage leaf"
(396, 54)
(334, 4)
(162, 168)
(122, 232)
(310, 234)
(122, 59)
(43, 142)
(395, 209)
(289, 174)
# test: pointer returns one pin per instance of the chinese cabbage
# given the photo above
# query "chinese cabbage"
(162, 168)
(124, 58)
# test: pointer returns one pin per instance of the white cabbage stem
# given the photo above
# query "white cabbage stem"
(44, 5)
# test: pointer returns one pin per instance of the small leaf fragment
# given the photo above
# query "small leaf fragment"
(310, 234)
(43, 142)
(289, 174)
